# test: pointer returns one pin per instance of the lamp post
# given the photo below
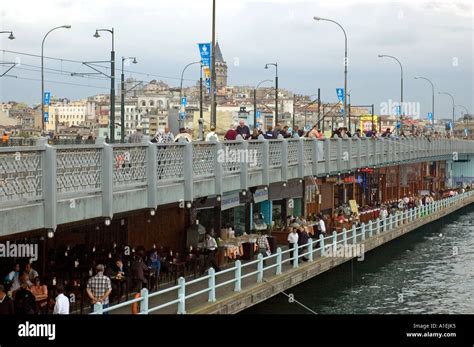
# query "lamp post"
(452, 98)
(112, 83)
(255, 101)
(433, 97)
(276, 89)
(122, 98)
(345, 62)
(213, 68)
(181, 87)
(11, 37)
(401, 83)
(42, 68)
(464, 107)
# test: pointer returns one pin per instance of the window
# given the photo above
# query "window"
(152, 103)
(143, 103)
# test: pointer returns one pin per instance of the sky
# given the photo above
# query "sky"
(432, 38)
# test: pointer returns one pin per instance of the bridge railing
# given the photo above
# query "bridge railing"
(333, 245)
(46, 176)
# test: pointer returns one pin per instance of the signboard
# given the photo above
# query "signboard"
(183, 101)
(257, 114)
(205, 51)
(354, 206)
(46, 102)
(260, 195)
(340, 94)
(430, 116)
(182, 116)
(366, 122)
(230, 200)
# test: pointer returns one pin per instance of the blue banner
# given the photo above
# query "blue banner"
(205, 51)
(340, 94)
(430, 116)
(46, 102)
(183, 101)
(47, 98)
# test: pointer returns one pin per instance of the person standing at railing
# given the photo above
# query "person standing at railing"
(211, 249)
(231, 134)
(137, 136)
(292, 242)
(99, 288)
(303, 238)
(212, 135)
(243, 130)
(263, 245)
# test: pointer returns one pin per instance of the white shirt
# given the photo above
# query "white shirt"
(293, 238)
(212, 136)
(62, 305)
(211, 244)
(322, 226)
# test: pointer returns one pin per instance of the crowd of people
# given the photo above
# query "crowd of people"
(273, 132)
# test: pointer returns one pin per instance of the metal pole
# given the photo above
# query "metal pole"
(112, 91)
(432, 100)
(294, 108)
(372, 116)
(122, 104)
(276, 94)
(319, 109)
(255, 107)
(401, 86)
(201, 125)
(213, 67)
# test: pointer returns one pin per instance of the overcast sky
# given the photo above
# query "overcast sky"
(432, 38)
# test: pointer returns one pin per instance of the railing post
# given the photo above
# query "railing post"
(238, 276)
(107, 181)
(334, 242)
(327, 156)
(377, 226)
(265, 161)
(310, 249)
(339, 155)
(50, 187)
(278, 261)
(344, 236)
(260, 268)
(218, 170)
(362, 229)
(151, 174)
(354, 234)
(321, 245)
(98, 308)
(301, 161)
(182, 295)
(370, 228)
(188, 172)
(295, 255)
(385, 220)
(284, 158)
(244, 166)
(144, 302)
(212, 285)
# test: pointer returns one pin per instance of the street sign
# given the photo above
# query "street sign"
(205, 51)
(182, 116)
(430, 116)
(183, 101)
(258, 114)
(398, 125)
(340, 94)
(46, 102)
(399, 110)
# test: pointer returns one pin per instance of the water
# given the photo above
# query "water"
(428, 271)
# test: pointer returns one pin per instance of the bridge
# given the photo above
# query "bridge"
(43, 186)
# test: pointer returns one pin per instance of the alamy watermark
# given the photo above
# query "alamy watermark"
(345, 251)
(228, 155)
(19, 250)
(394, 108)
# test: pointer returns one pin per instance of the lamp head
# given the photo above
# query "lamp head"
(67, 26)
(380, 55)
(266, 66)
(316, 18)
(96, 35)
(11, 37)
(134, 61)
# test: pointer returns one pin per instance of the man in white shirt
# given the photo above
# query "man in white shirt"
(62, 302)
(292, 241)
(211, 247)
(322, 226)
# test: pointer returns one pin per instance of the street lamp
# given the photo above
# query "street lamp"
(122, 98)
(401, 82)
(345, 61)
(452, 98)
(42, 68)
(181, 87)
(11, 37)
(276, 89)
(255, 101)
(464, 107)
(112, 83)
(433, 97)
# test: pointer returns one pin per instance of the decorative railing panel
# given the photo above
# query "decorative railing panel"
(293, 152)
(130, 163)
(170, 163)
(274, 153)
(256, 150)
(231, 156)
(203, 159)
